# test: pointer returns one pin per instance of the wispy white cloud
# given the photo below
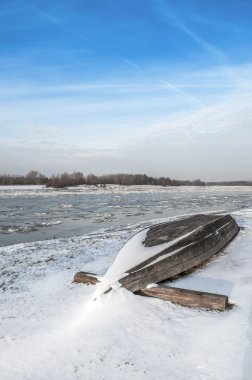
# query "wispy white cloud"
(185, 94)
(38, 89)
(55, 19)
(127, 61)
(165, 131)
(181, 146)
(208, 47)
(167, 12)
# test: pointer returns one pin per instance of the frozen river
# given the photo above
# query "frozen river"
(33, 213)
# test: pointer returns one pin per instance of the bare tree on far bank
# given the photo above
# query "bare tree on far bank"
(32, 178)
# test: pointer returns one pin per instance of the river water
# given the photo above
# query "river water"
(34, 213)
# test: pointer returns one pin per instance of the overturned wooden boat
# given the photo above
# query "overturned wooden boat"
(162, 251)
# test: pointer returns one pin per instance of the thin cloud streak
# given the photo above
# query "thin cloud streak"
(126, 60)
(184, 93)
(26, 89)
(204, 44)
(57, 21)
(130, 62)
(172, 17)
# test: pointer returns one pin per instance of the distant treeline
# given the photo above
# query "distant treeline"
(77, 178)
(32, 178)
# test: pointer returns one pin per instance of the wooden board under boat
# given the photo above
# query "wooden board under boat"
(184, 297)
(188, 297)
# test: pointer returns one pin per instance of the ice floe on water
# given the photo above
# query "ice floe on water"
(117, 190)
(48, 223)
(8, 229)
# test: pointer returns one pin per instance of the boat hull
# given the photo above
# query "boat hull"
(196, 239)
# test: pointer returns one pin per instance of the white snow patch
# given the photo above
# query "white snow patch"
(132, 254)
(49, 223)
(151, 286)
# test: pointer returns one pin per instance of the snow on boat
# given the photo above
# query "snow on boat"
(165, 250)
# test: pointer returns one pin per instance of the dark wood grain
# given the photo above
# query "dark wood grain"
(185, 297)
(85, 278)
(189, 252)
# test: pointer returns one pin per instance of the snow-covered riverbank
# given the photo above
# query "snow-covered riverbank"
(51, 328)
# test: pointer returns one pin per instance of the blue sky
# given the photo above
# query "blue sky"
(155, 86)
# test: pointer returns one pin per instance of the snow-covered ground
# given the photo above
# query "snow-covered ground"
(52, 329)
(21, 187)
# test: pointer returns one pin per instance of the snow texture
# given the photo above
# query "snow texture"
(133, 253)
(52, 329)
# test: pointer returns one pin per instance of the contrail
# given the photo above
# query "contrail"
(204, 44)
(184, 93)
(126, 60)
(55, 20)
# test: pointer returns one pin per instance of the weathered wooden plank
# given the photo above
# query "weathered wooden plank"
(185, 297)
(162, 232)
(85, 278)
